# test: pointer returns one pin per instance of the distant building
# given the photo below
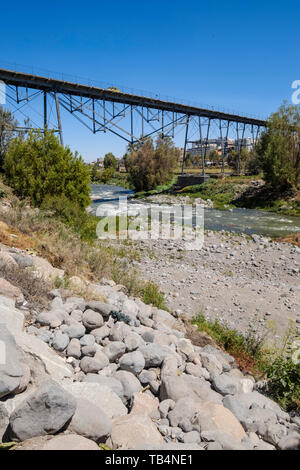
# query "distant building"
(100, 162)
(246, 143)
(204, 147)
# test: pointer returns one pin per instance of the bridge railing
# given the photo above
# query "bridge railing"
(16, 67)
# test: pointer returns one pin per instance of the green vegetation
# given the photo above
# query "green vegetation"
(279, 149)
(7, 124)
(149, 166)
(161, 188)
(39, 167)
(152, 295)
(221, 191)
(250, 353)
(110, 161)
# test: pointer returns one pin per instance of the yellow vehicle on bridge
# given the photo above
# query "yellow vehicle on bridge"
(113, 88)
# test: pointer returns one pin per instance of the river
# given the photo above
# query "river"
(234, 220)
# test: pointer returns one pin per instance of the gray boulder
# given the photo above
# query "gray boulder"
(165, 406)
(192, 437)
(90, 421)
(74, 349)
(110, 382)
(60, 341)
(225, 384)
(185, 408)
(100, 333)
(94, 364)
(290, 442)
(92, 319)
(100, 395)
(211, 363)
(46, 411)
(132, 362)
(131, 384)
(100, 307)
(87, 340)
(114, 350)
(154, 354)
(75, 330)
(11, 370)
(119, 331)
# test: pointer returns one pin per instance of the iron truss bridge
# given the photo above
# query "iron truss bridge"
(128, 116)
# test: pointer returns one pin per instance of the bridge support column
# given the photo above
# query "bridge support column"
(45, 111)
(59, 120)
(185, 143)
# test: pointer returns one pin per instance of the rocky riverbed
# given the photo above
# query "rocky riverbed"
(116, 371)
(241, 280)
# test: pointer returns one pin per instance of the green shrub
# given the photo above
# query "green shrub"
(39, 166)
(284, 382)
(149, 166)
(279, 148)
(283, 374)
(152, 295)
(110, 161)
(73, 215)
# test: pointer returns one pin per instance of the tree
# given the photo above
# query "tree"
(110, 161)
(39, 167)
(7, 125)
(279, 149)
(214, 157)
(149, 165)
(94, 172)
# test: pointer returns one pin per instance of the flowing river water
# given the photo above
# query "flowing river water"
(234, 220)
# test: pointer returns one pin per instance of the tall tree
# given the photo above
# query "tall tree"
(7, 125)
(279, 148)
(39, 167)
(149, 165)
(110, 161)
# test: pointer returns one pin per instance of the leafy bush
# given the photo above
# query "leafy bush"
(279, 149)
(39, 166)
(110, 161)
(283, 374)
(106, 175)
(150, 166)
(152, 295)
(7, 125)
(284, 382)
(73, 215)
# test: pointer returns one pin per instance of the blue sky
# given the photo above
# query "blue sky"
(238, 55)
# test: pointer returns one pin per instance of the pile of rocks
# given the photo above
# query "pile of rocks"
(122, 373)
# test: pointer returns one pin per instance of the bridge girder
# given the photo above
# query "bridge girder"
(130, 117)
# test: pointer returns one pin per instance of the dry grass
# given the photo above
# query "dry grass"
(34, 289)
(293, 238)
(12, 237)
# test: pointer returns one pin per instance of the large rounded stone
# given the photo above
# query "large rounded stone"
(132, 362)
(76, 330)
(11, 370)
(114, 350)
(92, 320)
(60, 341)
(94, 364)
(131, 384)
(90, 421)
(45, 411)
